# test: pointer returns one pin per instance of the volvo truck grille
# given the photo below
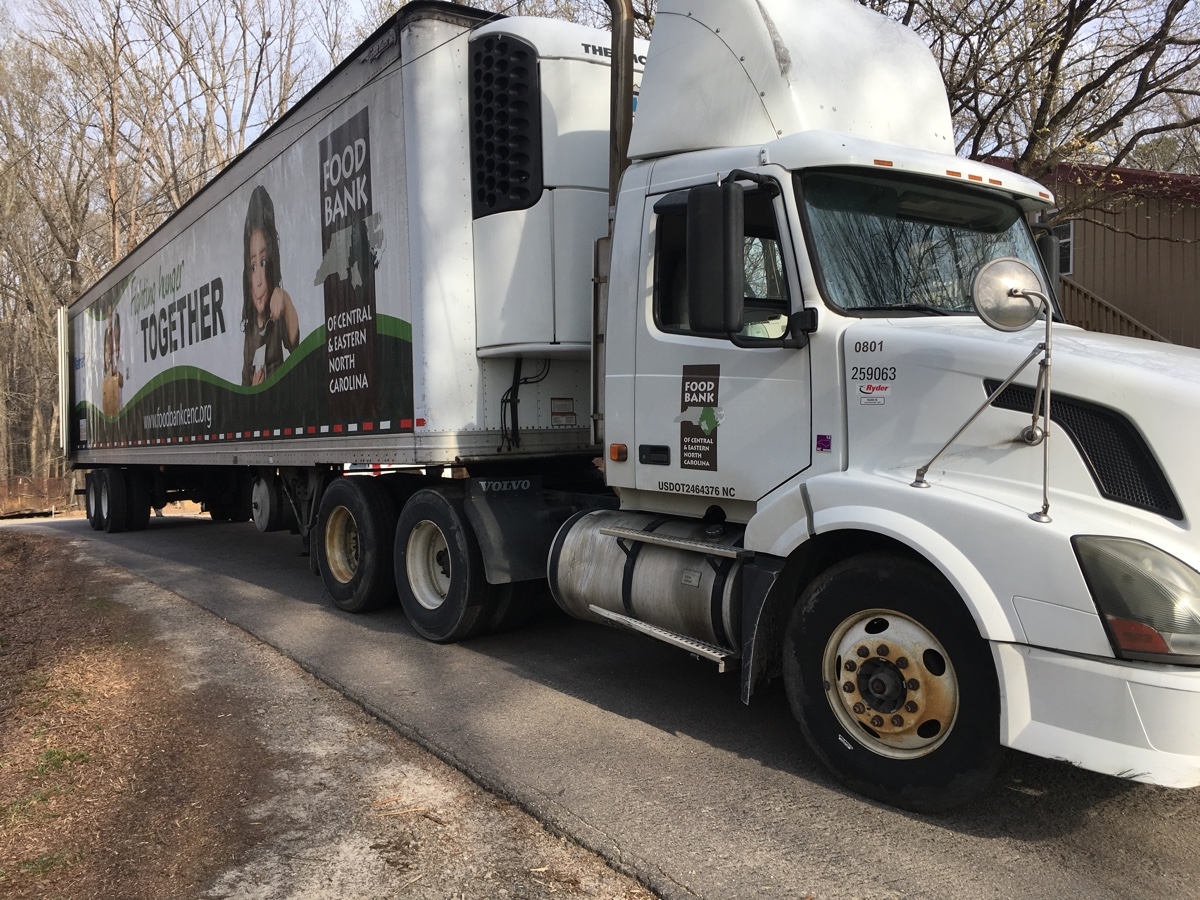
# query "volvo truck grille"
(1117, 456)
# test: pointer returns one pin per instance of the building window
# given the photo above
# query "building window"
(1066, 247)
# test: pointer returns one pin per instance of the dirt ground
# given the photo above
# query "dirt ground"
(149, 750)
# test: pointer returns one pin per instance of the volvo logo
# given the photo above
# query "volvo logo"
(492, 486)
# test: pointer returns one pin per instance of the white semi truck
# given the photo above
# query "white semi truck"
(778, 392)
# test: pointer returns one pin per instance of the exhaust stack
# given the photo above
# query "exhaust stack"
(622, 95)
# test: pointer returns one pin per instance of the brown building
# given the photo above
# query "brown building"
(1132, 265)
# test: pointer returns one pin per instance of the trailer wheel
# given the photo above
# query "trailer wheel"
(92, 499)
(893, 687)
(139, 489)
(439, 569)
(354, 543)
(114, 501)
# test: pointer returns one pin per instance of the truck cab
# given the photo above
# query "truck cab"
(936, 559)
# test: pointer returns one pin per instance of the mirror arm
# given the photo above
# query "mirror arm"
(768, 184)
(1043, 395)
(920, 481)
(801, 324)
(789, 342)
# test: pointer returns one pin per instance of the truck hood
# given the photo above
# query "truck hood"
(1130, 407)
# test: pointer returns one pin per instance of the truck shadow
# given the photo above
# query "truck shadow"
(274, 597)
(632, 676)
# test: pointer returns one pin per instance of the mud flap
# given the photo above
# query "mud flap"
(515, 522)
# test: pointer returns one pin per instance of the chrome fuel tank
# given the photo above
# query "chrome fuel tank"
(679, 574)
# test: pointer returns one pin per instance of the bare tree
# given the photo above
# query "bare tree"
(111, 116)
(231, 69)
(595, 13)
(48, 234)
(1046, 82)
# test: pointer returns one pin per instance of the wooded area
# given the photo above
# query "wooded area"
(113, 113)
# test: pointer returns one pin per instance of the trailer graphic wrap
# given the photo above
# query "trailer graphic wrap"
(275, 315)
(350, 243)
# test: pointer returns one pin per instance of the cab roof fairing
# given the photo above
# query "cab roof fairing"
(725, 73)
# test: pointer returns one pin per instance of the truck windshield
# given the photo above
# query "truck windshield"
(888, 242)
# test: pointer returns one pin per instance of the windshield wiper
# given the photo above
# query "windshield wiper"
(917, 307)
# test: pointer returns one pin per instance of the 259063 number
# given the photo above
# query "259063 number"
(872, 373)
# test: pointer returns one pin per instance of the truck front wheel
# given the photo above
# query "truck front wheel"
(439, 569)
(893, 687)
(354, 544)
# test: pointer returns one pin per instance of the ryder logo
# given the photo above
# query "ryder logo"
(873, 388)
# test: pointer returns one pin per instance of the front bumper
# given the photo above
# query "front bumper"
(1133, 720)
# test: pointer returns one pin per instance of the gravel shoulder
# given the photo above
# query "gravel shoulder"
(150, 750)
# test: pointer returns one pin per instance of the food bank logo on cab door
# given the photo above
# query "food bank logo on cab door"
(699, 417)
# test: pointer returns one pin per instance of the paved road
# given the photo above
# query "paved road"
(646, 755)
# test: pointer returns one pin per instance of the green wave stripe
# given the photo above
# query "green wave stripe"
(388, 326)
(394, 327)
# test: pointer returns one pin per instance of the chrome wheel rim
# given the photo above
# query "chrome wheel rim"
(429, 566)
(890, 683)
(341, 545)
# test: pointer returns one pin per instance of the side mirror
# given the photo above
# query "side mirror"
(1048, 246)
(716, 228)
(1008, 294)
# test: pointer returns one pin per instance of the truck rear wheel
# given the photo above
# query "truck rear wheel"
(113, 500)
(439, 569)
(354, 543)
(893, 687)
(92, 499)
(138, 490)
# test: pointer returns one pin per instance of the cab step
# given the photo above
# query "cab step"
(679, 543)
(726, 660)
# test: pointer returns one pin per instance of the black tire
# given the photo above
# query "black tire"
(138, 505)
(114, 500)
(227, 497)
(354, 543)
(513, 605)
(919, 725)
(439, 569)
(92, 499)
(218, 509)
(270, 507)
(241, 507)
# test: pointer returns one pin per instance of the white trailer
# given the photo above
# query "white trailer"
(809, 348)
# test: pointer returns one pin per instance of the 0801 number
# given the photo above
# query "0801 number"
(867, 346)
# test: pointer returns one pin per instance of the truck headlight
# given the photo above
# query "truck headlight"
(1148, 598)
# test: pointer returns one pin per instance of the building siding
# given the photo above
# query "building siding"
(1143, 256)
